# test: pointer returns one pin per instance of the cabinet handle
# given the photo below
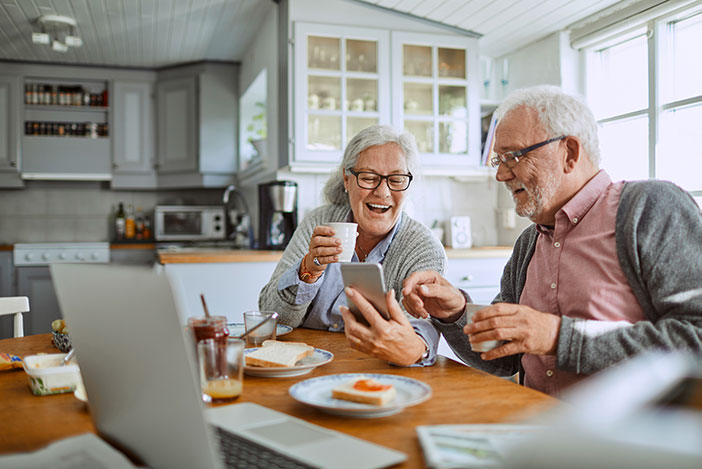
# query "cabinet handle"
(467, 278)
(13, 164)
(115, 166)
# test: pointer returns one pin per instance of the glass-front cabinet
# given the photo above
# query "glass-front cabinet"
(341, 82)
(436, 96)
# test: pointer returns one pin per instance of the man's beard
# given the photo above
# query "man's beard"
(536, 195)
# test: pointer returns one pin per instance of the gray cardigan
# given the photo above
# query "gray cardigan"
(658, 238)
(413, 248)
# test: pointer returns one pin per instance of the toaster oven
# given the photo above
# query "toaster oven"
(189, 222)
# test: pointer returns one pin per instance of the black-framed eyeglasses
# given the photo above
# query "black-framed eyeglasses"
(511, 158)
(370, 180)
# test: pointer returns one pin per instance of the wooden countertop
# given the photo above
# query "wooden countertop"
(213, 255)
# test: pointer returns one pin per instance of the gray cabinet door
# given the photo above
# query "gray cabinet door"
(177, 125)
(35, 283)
(9, 119)
(133, 132)
(6, 322)
(144, 257)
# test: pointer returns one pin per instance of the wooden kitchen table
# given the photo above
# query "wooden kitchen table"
(460, 395)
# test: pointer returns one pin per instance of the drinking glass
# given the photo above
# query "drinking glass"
(221, 366)
(265, 332)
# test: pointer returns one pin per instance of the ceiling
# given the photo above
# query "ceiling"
(157, 33)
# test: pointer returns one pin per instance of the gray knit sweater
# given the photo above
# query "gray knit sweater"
(658, 237)
(413, 248)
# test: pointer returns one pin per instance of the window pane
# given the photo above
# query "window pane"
(452, 63)
(685, 71)
(424, 134)
(362, 94)
(416, 61)
(323, 53)
(324, 133)
(418, 99)
(679, 156)
(452, 101)
(324, 93)
(453, 137)
(361, 56)
(355, 124)
(624, 148)
(618, 78)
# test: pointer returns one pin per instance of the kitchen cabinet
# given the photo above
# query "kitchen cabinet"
(9, 131)
(35, 282)
(133, 145)
(342, 78)
(436, 97)
(6, 278)
(197, 125)
(480, 278)
(66, 129)
(132, 256)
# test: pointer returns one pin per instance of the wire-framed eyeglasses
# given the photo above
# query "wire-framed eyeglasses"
(511, 158)
(371, 180)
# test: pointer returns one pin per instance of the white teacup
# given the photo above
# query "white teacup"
(346, 232)
(471, 309)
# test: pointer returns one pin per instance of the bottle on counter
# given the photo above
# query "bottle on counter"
(139, 221)
(129, 224)
(120, 223)
(147, 227)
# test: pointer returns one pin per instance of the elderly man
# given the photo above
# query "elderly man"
(607, 270)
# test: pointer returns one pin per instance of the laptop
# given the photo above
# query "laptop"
(140, 376)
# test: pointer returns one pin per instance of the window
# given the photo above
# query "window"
(645, 88)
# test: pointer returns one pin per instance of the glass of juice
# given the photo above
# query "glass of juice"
(221, 366)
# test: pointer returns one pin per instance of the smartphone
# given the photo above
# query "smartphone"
(367, 278)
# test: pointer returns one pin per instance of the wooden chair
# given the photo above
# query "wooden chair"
(15, 305)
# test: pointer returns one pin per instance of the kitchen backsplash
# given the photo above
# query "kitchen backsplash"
(82, 211)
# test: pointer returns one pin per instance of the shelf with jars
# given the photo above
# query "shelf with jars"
(436, 93)
(66, 128)
(344, 87)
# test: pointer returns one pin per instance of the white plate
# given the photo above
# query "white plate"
(304, 366)
(237, 328)
(317, 392)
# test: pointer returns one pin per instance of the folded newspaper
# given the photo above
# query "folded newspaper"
(470, 445)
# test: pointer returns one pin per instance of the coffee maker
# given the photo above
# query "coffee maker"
(277, 204)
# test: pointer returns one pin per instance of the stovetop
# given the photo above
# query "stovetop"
(38, 254)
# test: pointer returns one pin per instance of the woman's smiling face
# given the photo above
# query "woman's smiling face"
(377, 210)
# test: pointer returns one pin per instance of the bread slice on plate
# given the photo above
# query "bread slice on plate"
(279, 354)
(366, 391)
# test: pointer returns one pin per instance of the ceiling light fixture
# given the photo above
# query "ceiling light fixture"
(58, 31)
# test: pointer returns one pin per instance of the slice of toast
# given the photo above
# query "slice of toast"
(348, 392)
(279, 354)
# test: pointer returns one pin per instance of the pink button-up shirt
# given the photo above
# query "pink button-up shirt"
(575, 272)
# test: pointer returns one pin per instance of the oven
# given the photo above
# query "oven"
(33, 278)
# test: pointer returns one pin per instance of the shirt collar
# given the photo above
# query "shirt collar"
(577, 207)
(378, 253)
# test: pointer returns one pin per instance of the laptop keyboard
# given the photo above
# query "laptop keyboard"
(241, 453)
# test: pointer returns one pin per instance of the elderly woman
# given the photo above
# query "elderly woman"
(369, 188)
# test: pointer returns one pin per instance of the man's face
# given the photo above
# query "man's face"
(535, 180)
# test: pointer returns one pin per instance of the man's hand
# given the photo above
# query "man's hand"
(394, 340)
(526, 330)
(427, 294)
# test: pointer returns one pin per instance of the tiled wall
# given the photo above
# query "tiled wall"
(78, 211)
(65, 211)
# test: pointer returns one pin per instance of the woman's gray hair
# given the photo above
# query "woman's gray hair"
(559, 113)
(371, 136)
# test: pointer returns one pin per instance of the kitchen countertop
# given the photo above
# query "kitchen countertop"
(190, 255)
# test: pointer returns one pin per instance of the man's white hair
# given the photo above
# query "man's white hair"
(559, 114)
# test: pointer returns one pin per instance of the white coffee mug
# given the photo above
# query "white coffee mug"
(471, 309)
(346, 232)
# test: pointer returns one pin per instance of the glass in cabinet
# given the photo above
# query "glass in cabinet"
(343, 79)
(436, 97)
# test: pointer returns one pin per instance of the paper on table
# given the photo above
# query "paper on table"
(86, 450)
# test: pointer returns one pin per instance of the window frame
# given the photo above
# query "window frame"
(656, 32)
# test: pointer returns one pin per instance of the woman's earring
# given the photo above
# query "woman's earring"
(346, 191)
